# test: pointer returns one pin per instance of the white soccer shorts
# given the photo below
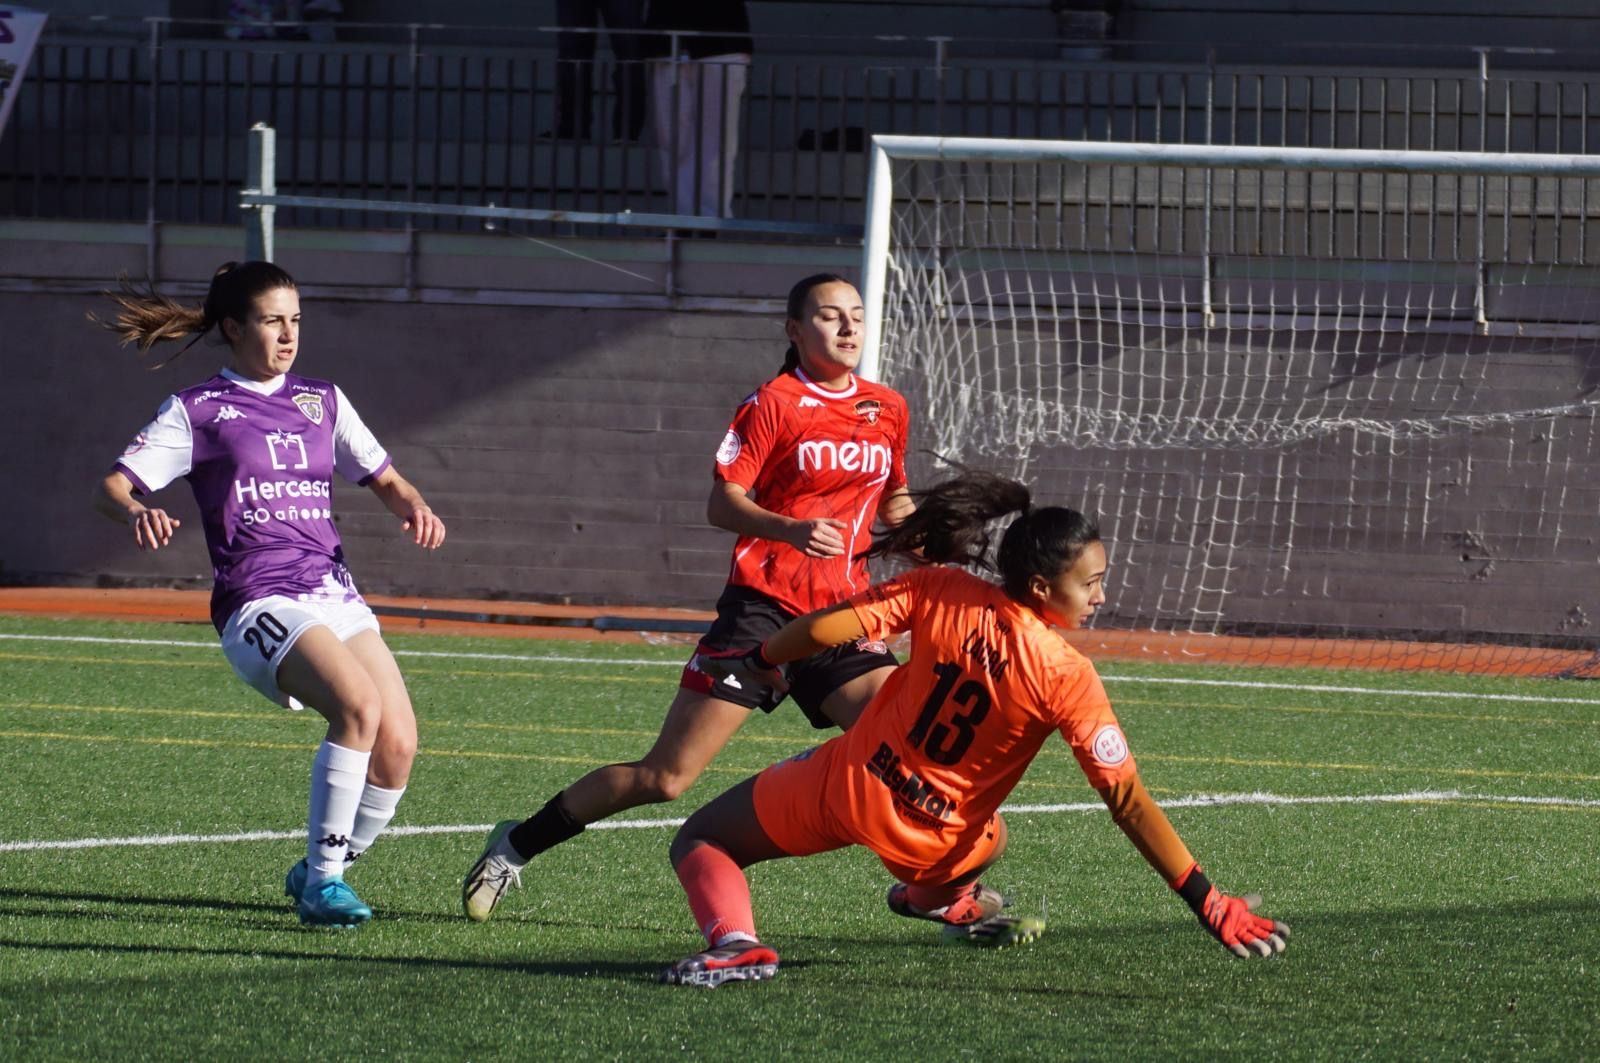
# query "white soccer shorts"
(260, 634)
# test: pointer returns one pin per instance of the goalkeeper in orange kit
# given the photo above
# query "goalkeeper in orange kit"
(920, 778)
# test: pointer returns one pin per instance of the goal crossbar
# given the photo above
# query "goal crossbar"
(886, 149)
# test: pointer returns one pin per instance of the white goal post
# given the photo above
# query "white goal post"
(1342, 398)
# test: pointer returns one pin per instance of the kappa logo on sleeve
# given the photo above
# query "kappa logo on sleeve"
(1110, 748)
(729, 450)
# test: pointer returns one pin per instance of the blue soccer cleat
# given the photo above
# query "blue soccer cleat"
(294, 883)
(332, 903)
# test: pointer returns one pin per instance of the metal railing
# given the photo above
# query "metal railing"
(155, 129)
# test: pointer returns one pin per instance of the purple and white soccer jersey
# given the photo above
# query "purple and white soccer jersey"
(261, 458)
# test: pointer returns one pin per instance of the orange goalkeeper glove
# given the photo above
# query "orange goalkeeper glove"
(1230, 919)
(744, 667)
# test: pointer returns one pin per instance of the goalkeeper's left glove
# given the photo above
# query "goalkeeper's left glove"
(1230, 919)
(744, 667)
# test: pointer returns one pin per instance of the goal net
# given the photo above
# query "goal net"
(1330, 407)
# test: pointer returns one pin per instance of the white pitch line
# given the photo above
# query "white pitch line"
(1260, 798)
(1461, 695)
(541, 659)
(522, 657)
(101, 638)
(1325, 689)
(1196, 801)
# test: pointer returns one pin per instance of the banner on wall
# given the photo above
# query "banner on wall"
(19, 31)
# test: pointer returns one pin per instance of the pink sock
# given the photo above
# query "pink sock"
(719, 896)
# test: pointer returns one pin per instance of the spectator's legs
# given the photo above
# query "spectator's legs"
(722, 82)
(673, 97)
(697, 141)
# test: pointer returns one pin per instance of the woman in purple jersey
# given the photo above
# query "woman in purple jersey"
(259, 446)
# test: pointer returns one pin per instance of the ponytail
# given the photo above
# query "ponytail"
(146, 317)
(950, 526)
(950, 523)
(791, 360)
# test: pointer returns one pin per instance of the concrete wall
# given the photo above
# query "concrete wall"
(566, 436)
(1349, 495)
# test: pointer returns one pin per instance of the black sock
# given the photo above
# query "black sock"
(545, 829)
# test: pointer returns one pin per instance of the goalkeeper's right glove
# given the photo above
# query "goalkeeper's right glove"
(745, 667)
(1230, 919)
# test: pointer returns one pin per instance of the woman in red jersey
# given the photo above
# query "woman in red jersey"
(813, 458)
(920, 777)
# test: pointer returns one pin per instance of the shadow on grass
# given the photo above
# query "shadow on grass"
(1060, 926)
(277, 909)
(1539, 924)
(632, 971)
(213, 903)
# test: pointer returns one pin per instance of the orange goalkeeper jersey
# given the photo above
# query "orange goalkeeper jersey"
(805, 451)
(952, 731)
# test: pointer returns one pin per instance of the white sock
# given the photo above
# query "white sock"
(337, 778)
(372, 815)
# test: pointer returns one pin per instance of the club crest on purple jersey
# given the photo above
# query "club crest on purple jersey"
(310, 405)
(262, 470)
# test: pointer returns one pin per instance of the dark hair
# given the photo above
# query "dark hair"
(146, 317)
(950, 522)
(796, 309)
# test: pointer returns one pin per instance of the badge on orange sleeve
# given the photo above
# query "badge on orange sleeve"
(1110, 748)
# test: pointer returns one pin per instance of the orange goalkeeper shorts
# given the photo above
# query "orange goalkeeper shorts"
(817, 801)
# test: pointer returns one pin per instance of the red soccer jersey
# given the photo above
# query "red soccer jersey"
(805, 451)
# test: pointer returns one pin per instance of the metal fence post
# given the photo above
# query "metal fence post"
(675, 141)
(1480, 293)
(674, 57)
(1208, 314)
(262, 169)
(152, 225)
(414, 153)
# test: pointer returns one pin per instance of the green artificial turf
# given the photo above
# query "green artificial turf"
(1437, 912)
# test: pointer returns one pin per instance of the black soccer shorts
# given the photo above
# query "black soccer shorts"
(747, 618)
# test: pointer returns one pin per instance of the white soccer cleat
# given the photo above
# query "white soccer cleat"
(498, 869)
(998, 932)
